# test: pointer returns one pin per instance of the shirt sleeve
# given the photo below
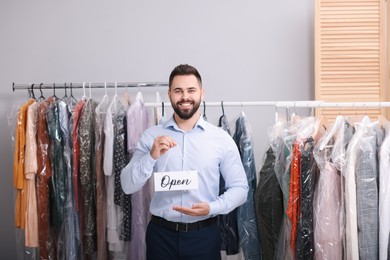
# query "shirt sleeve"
(236, 183)
(140, 167)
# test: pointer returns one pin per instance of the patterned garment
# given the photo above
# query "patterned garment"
(305, 233)
(44, 173)
(87, 173)
(120, 161)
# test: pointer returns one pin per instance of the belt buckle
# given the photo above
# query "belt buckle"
(179, 229)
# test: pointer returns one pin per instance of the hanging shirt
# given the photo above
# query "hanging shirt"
(137, 123)
(305, 233)
(269, 206)
(57, 182)
(101, 208)
(87, 174)
(293, 208)
(206, 149)
(351, 228)
(113, 211)
(384, 196)
(19, 157)
(31, 168)
(246, 214)
(228, 222)
(76, 148)
(46, 249)
(71, 232)
(367, 193)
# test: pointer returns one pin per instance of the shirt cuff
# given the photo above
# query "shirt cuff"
(215, 208)
(148, 162)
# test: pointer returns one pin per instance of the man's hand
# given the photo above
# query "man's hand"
(161, 145)
(197, 209)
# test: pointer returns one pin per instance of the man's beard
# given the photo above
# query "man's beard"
(186, 113)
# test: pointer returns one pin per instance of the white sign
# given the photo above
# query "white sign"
(181, 180)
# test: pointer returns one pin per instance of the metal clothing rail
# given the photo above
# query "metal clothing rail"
(290, 104)
(72, 85)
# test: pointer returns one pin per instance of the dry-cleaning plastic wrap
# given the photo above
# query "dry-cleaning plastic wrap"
(71, 243)
(330, 155)
(367, 193)
(269, 206)
(246, 215)
(137, 122)
(384, 193)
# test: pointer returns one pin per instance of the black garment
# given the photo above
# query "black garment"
(269, 207)
(228, 222)
(120, 161)
(305, 232)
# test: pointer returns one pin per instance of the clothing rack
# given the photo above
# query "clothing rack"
(72, 85)
(291, 104)
(276, 104)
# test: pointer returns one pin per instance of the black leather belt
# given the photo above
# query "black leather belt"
(183, 227)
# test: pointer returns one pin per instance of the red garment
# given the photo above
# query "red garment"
(44, 174)
(76, 148)
(293, 207)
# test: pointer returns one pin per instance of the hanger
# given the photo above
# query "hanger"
(204, 111)
(162, 108)
(32, 94)
(66, 93)
(90, 93)
(71, 93)
(84, 97)
(222, 116)
(54, 91)
(41, 98)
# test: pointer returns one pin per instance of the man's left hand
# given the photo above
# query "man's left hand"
(197, 209)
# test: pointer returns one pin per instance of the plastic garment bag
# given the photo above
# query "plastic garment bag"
(18, 121)
(72, 242)
(101, 207)
(384, 194)
(329, 154)
(361, 192)
(269, 206)
(246, 215)
(367, 193)
(137, 122)
(114, 212)
(228, 222)
(86, 130)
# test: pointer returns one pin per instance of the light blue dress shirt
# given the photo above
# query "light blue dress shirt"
(206, 149)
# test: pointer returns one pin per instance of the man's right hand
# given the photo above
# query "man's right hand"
(161, 145)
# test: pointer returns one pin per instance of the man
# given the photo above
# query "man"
(184, 223)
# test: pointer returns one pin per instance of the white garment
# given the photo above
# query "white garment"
(114, 212)
(352, 243)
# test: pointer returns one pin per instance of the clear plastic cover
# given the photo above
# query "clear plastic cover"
(246, 216)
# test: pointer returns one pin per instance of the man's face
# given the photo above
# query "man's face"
(185, 95)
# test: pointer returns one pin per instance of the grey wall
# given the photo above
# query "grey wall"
(245, 50)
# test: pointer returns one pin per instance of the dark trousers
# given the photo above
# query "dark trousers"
(199, 244)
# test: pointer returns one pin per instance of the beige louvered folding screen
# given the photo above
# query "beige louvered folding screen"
(350, 54)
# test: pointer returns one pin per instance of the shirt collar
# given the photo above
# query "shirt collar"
(170, 123)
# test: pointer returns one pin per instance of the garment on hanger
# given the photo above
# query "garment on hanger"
(101, 197)
(86, 130)
(228, 222)
(71, 243)
(137, 122)
(247, 230)
(269, 206)
(31, 167)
